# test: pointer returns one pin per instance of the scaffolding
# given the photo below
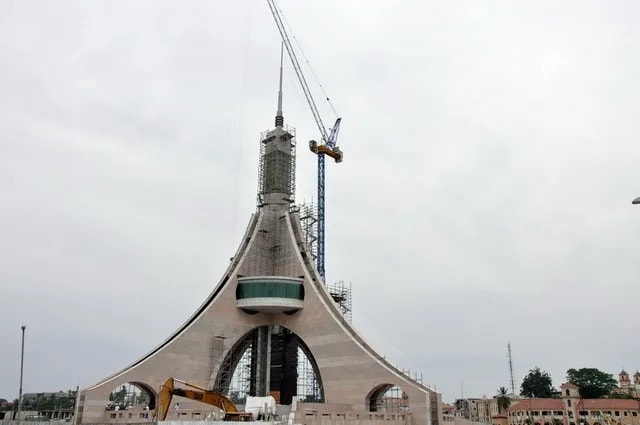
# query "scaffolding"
(277, 168)
(233, 367)
(394, 400)
(308, 213)
(129, 395)
(239, 370)
(309, 389)
(341, 294)
(416, 377)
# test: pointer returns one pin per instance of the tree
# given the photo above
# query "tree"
(537, 384)
(623, 395)
(503, 399)
(593, 383)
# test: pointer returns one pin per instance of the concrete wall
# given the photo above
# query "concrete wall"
(349, 368)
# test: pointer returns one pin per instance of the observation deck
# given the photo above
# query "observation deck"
(269, 294)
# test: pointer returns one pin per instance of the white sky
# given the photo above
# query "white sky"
(490, 161)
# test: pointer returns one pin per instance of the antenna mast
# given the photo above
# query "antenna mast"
(279, 117)
(513, 385)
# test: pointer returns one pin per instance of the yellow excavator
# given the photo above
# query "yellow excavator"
(214, 398)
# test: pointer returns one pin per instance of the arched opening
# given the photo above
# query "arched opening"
(132, 396)
(270, 360)
(388, 398)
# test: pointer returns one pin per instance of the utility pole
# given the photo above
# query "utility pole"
(21, 370)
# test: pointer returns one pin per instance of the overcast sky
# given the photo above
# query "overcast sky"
(491, 155)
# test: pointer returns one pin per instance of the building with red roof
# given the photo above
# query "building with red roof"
(573, 410)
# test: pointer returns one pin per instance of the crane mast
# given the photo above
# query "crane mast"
(326, 147)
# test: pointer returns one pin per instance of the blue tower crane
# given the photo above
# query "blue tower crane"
(328, 144)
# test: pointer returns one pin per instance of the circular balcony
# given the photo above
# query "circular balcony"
(269, 294)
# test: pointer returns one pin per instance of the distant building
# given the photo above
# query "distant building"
(6, 405)
(448, 413)
(483, 410)
(487, 409)
(33, 398)
(570, 409)
(45, 406)
(467, 408)
(626, 386)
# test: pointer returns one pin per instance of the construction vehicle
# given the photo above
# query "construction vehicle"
(194, 392)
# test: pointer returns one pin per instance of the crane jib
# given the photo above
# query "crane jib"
(329, 139)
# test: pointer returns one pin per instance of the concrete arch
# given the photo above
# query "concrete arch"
(208, 348)
(387, 398)
(123, 396)
(248, 341)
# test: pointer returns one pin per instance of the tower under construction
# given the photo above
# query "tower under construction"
(271, 327)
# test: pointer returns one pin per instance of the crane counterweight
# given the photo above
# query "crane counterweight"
(334, 152)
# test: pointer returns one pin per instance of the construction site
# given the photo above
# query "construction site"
(273, 341)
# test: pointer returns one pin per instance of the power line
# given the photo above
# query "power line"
(243, 100)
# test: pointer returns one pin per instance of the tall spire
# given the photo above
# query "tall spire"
(279, 117)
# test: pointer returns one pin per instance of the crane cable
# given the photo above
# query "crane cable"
(295, 39)
(243, 101)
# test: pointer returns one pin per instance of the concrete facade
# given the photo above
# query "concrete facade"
(350, 371)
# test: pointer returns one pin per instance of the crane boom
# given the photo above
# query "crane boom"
(297, 69)
(328, 145)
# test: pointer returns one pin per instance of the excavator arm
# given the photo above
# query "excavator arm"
(214, 398)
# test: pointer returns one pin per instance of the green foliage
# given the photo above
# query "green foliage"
(118, 396)
(55, 401)
(503, 400)
(537, 384)
(593, 383)
(626, 395)
(556, 421)
(52, 403)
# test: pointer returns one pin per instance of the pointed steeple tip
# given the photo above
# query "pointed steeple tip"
(279, 117)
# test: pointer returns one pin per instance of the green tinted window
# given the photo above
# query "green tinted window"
(270, 289)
